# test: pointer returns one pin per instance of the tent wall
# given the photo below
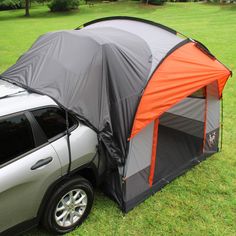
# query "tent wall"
(212, 119)
(138, 163)
(139, 152)
(180, 143)
(180, 137)
(187, 116)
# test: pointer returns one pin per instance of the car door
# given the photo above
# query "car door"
(28, 166)
(83, 140)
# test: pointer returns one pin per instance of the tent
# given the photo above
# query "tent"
(151, 94)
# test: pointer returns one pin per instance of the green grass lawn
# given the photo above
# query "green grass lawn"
(203, 201)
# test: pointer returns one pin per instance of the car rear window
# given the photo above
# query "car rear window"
(16, 137)
(52, 121)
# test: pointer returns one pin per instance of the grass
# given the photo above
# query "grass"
(203, 201)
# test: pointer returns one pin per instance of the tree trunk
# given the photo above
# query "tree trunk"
(27, 6)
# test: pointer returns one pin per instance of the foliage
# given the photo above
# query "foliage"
(11, 4)
(154, 2)
(157, 2)
(201, 202)
(208, 1)
(43, 1)
(63, 5)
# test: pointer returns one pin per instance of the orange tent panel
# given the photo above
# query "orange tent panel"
(183, 72)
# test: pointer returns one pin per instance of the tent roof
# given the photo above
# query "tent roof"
(160, 39)
(129, 18)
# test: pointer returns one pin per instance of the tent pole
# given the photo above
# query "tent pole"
(205, 120)
(221, 123)
(68, 142)
(154, 148)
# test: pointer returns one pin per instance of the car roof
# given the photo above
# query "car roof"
(15, 99)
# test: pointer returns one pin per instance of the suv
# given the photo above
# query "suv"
(34, 159)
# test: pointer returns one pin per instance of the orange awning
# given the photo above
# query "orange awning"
(183, 72)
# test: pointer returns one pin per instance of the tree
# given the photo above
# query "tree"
(27, 6)
(63, 5)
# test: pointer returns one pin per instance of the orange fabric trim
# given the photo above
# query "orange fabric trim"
(205, 120)
(183, 72)
(154, 148)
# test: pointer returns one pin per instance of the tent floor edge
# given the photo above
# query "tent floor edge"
(131, 204)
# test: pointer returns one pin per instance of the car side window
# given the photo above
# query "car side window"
(16, 137)
(52, 121)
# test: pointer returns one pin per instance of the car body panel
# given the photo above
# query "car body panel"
(83, 142)
(22, 190)
(19, 100)
(7, 89)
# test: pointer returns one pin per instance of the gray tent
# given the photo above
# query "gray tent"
(134, 82)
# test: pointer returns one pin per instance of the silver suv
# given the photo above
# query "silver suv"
(35, 186)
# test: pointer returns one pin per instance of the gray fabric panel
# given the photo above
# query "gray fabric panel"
(186, 116)
(183, 124)
(213, 107)
(97, 73)
(159, 40)
(140, 151)
(192, 108)
(175, 150)
(136, 184)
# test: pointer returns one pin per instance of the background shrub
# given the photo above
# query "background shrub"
(11, 4)
(63, 5)
(157, 2)
(42, 1)
(154, 2)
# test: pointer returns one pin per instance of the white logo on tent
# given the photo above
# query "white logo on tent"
(212, 139)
